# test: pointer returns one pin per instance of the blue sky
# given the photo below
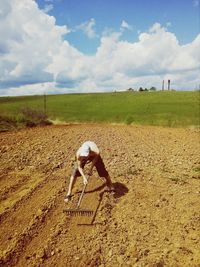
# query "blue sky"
(67, 46)
(182, 16)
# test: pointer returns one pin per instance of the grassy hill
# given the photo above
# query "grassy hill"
(166, 108)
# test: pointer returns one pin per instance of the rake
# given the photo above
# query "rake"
(78, 211)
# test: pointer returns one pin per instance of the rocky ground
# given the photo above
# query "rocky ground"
(153, 219)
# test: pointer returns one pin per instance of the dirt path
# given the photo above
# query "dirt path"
(153, 219)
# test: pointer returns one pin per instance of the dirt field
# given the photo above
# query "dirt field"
(152, 220)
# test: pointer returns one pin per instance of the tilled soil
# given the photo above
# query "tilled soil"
(153, 219)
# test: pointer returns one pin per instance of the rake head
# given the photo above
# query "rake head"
(79, 212)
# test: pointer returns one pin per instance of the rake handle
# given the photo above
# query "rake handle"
(82, 193)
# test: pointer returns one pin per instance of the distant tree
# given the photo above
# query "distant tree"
(152, 88)
(130, 89)
(146, 89)
(141, 89)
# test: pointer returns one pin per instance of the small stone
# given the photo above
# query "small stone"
(157, 204)
(52, 253)
(110, 253)
(39, 212)
(58, 250)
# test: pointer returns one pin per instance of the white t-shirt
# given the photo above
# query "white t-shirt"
(85, 148)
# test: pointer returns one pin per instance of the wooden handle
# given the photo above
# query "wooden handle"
(81, 196)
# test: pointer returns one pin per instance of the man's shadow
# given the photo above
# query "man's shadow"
(119, 191)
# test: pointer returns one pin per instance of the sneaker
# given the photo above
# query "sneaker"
(111, 190)
(67, 198)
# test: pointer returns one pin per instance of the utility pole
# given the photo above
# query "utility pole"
(168, 85)
(45, 104)
(163, 85)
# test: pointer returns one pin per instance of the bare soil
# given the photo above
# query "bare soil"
(153, 219)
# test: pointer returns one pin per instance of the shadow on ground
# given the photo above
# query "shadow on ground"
(119, 191)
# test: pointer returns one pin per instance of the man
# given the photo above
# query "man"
(88, 153)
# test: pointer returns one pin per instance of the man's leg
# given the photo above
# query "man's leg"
(109, 183)
(101, 169)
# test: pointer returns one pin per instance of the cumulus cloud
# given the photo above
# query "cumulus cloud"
(31, 39)
(48, 8)
(88, 28)
(157, 55)
(35, 57)
(125, 26)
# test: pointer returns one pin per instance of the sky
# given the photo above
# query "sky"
(70, 46)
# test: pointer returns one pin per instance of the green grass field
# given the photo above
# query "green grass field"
(174, 109)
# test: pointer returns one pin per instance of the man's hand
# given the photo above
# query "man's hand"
(85, 181)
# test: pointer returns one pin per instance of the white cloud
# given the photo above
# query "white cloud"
(156, 55)
(48, 8)
(31, 89)
(34, 57)
(88, 28)
(125, 26)
(31, 38)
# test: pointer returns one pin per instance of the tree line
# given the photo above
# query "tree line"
(141, 89)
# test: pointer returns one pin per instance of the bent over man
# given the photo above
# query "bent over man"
(88, 153)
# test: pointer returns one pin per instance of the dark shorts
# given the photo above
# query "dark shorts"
(100, 167)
